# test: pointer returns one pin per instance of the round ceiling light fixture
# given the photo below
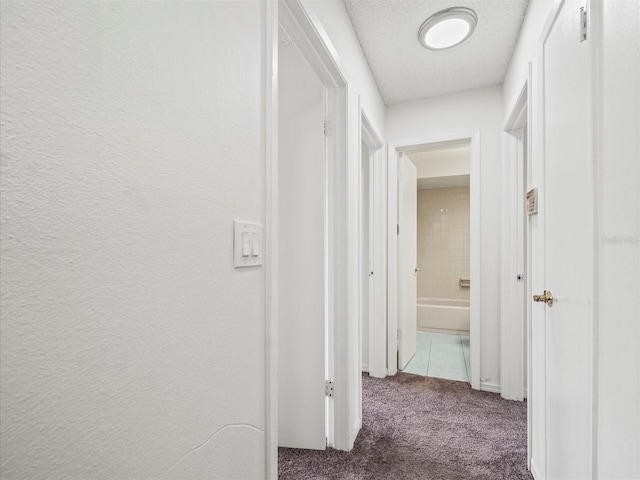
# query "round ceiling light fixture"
(447, 28)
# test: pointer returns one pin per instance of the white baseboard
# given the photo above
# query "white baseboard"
(447, 331)
(365, 368)
(490, 387)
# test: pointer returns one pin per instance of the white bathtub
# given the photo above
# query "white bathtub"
(443, 315)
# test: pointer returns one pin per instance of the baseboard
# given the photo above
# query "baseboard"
(355, 432)
(447, 331)
(365, 368)
(490, 387)
(534, 471)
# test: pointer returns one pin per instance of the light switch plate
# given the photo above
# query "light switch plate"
(254, 233)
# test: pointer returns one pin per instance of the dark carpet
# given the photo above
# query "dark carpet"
(417, 427)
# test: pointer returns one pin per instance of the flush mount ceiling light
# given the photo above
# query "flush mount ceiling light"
(447, 28)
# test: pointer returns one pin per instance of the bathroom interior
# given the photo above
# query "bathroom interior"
(443, 280)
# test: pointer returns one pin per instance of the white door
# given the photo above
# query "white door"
(568, 246)
(366, 263)
(301, 254)
(407, 260)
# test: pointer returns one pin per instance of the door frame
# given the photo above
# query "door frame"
(377, 341)
(515, 308)
(392, 260)
(271, 240)
(473, 137)
(342, 139)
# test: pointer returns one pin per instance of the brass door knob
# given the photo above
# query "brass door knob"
(547, 297)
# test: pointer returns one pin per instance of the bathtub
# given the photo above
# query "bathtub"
(443, 315)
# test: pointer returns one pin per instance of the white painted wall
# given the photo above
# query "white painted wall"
(334, 18)
(619, 222)
(132, 136)
(441, 163)
(524, 52)
(466, 113)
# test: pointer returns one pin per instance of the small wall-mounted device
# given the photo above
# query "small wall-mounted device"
(532, 201)
(247, 244)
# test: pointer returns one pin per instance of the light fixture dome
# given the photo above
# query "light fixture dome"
(447, 28)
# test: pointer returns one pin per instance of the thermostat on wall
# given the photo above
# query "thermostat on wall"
(532, 201)
(247, 244)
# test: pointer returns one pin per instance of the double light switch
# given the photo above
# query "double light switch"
(247, 244)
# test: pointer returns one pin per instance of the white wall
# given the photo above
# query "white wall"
(132, 136)
(337, 25)
(466, 113)
(524, 52)
(441, 163)
(619, 223)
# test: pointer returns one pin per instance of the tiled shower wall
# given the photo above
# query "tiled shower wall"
(443, 242)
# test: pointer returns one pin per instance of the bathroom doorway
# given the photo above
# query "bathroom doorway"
(442, 273)
(447, 237)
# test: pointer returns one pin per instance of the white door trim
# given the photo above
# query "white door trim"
(370, 135)
(271, 241)
(377, 341)
(342, 204)
(392, 259)
(473, 137)
(512, 332)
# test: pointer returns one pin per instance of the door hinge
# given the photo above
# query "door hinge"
(583, 24)
(398, 225)
(520, 277)
(328, 128)
(328, 388)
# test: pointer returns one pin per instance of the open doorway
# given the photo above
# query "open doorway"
(302, 233)
(442, 272)
(438, 303)
(312, 275)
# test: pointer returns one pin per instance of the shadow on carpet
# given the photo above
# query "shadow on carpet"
(418, 427)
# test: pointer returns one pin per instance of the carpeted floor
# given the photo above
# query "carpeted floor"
(418, 427)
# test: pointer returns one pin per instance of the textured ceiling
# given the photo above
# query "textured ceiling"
(406, 71)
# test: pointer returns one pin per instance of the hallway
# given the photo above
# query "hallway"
(423, 428)
(204, 245)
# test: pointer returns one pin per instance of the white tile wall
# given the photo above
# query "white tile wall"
(443, 242)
